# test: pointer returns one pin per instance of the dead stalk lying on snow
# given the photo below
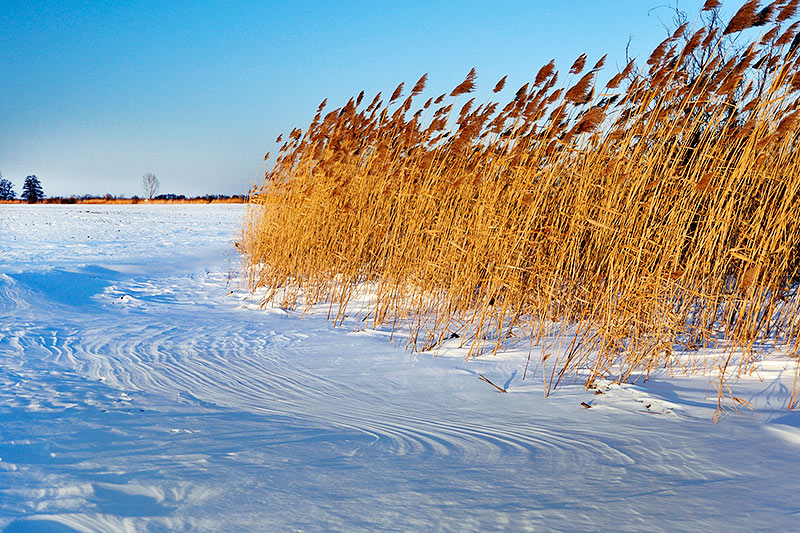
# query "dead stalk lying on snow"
(485, 379)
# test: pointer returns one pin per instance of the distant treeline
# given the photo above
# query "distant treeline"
(161, 199)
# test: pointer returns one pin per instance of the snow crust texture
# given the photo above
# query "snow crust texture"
(142, 389)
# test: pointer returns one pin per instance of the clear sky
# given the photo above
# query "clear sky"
(93, 94)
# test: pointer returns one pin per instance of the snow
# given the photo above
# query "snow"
(141, 389)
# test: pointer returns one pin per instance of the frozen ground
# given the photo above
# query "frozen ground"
(140, 390)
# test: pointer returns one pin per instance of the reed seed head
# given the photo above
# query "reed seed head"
(577, 66)
(466, 86)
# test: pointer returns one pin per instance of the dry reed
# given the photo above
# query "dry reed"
(624, 223)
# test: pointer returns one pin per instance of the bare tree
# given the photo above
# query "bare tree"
(150, 185)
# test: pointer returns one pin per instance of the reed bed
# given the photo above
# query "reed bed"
(623, 221)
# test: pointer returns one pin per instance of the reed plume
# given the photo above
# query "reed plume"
(744, 18)
(466, 86)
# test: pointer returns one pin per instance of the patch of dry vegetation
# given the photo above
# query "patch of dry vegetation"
(655, 212)
(135, 200)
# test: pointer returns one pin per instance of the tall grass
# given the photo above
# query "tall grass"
(629, 219)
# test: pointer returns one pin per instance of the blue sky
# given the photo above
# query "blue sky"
(96, 93)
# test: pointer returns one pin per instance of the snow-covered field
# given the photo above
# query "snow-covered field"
(142, 390)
